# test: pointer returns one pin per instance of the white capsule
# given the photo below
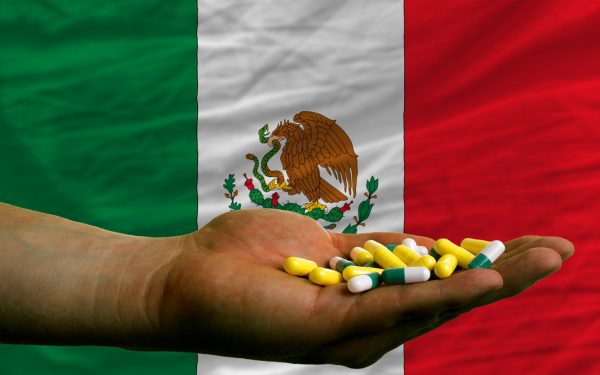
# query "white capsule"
(422, 250)
(410, 243)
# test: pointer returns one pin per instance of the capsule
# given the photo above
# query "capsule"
(387, 259)
(371, 246)
(339, 263)
(325, 276)
(473, 246)
(364, 282)
(407, 275)
(445, 266)
(410, 243)
(353, 271)
(298, 266)
(426, 261)
(371, 264)
(444, 246)
(488, 255)
(361, 256)
(422, 250)
(406, 254)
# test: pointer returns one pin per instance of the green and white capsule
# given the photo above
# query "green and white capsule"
(435, 254)
(488, 255)
(364, 282)
(339, 263)
(406, 275)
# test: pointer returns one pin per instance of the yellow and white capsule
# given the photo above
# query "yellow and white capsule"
(473, 245)
(298, 266)
(410, 243)
(353, 271)
(444, 246)
(371, 246)
(406, 254)
(426, 261)
(325, 276)
(445, 266)
(360, 256)
(488, 255)
(387, 259)
(422, 250)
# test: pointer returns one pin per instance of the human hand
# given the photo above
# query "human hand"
(226, 292)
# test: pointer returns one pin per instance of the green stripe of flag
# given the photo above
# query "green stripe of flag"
(98, 124)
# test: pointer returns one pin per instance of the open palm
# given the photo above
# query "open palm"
(227, 294)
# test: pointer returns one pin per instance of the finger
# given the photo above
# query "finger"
(382, 308)
(563, 247)
(518, 274)
(522, 271)
(345, 242)
(518, 242)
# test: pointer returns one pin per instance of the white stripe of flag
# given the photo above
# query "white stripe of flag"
(260, 62)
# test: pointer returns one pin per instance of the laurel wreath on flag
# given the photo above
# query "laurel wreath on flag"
(331, 216)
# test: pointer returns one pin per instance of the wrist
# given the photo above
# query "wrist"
(128, 296)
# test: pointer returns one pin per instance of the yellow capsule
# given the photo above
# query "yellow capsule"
(387, 259)
(445, 266)
(325, 276)
(444, 246)
(406, 254)
(353, 271)
(371, 246)
(361, 256)
(426, 261)
(298, 266)
(473, 246)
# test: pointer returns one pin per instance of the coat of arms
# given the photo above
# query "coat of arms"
(311, 144)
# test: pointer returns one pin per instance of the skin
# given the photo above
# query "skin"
(222, 290)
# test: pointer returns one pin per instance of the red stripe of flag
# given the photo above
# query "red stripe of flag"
(502, 135)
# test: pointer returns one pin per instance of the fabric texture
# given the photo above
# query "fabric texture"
(98, 125)
(263, 62)
(503, 140)
(98, 121)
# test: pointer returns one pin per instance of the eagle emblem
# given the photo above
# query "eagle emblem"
(309, 145)
(311, 142)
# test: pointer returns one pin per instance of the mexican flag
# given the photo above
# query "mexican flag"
(444, 119)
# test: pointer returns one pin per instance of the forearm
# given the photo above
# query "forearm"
(63, 282)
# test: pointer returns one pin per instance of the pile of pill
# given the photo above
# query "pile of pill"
(375, 264)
